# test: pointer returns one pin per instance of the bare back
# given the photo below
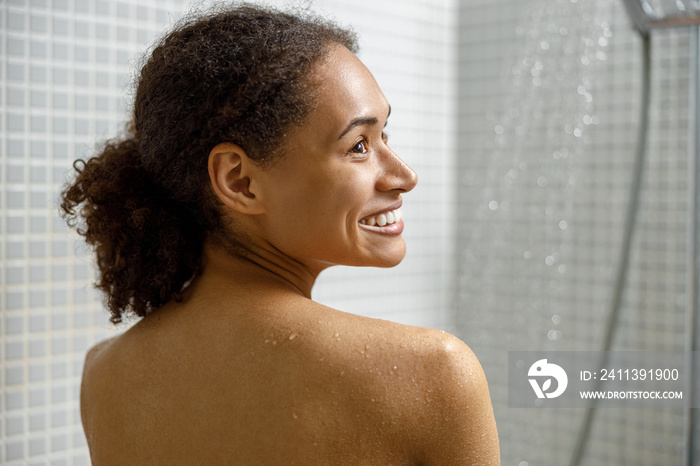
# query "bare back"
(284, 381)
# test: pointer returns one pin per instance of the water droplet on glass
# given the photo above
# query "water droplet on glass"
(498, 129)
(542, 181)
(554, 335)
(493, 205)
(527, 255)
(549, 260)
(544, 45)
(561, 268)
(556, 319)
(563, 225)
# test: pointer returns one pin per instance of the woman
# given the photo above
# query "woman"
(256, 158)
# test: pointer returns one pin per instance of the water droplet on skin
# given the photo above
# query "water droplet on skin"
(292, 336)
(294, 415)
(395, 368)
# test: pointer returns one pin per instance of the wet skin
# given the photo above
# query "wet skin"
(248, 369)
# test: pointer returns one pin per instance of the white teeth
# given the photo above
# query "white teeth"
(383, 219)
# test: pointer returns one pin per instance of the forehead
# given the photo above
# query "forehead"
(346, 90)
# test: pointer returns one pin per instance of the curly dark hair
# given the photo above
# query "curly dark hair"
(240, 74)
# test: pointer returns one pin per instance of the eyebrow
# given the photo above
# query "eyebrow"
(369, 121)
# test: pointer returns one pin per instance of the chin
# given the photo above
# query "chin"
(391, 259)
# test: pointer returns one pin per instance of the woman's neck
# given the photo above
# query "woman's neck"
(256, 267)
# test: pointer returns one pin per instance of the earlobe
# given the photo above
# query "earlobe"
(231, 173)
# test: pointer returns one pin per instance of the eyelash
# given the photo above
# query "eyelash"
(363, 142)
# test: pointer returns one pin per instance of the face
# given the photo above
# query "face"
(334, 196)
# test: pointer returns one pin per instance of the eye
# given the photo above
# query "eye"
(359, 148)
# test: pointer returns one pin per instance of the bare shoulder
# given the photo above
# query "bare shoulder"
(462, 425)
(94, 362)
(428, 382)
(92, 384)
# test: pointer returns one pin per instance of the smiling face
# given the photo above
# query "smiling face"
(334, 195)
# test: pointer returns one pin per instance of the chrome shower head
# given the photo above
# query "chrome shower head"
(651, 14)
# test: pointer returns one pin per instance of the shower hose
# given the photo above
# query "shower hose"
(624, 259)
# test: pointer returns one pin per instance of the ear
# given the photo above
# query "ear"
(232, 175)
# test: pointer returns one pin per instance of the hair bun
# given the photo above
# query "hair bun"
(133, 226)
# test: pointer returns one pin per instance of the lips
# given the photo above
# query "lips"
(383, 219)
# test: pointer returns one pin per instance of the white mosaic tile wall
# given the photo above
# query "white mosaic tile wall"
(65, 68)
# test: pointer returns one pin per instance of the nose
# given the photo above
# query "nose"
(396, 174)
